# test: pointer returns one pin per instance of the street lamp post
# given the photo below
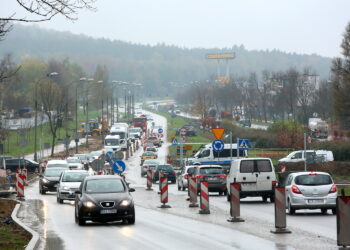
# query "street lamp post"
(87, 111)
(36, 112)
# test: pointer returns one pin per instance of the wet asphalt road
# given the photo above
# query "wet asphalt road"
(179, 227)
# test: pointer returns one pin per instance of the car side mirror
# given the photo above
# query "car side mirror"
(78, 192)
(131, 189)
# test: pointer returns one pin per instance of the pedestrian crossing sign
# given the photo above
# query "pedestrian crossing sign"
(243, 144)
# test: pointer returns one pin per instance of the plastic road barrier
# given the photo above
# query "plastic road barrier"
(343, 220)
(280, 211)
(192, 187)
(204, 199)
(20, 185)
(149, 180)
(164, 192)
(235, 203)
(25, 173)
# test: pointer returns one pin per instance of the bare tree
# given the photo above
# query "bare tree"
(53, 102)
(305, 93)
(45, 10)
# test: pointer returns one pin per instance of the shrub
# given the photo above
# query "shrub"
(340, 149)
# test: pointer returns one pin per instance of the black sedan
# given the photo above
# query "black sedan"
(49, 179)
(167, 170)
(104, 198)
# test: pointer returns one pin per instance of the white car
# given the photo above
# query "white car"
(182, 178)
(69, 182)
(311, 155)
(310, 190)
(57, 164)
(75, 163)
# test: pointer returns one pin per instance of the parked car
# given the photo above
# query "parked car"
(182, 177)
(168, 171)
(148, 145)
(256, 175)
(103, 198)
(214, 175)
(49, 179)
(148, 155)
(310, 190)
(74, 163)
(57, 164)
(311, 156)
(69, 182)
(148, 164)
(14, 163)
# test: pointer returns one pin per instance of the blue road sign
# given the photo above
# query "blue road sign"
(118, 166)
(160, 131)
(218, 145)
(109, 155)
(174, 141)
(243, 144)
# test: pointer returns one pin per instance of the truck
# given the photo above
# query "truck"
(121, 129)
(140, 122)
(318, 128)
(112, 143)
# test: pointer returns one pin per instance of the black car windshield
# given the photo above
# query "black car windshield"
(74, 177)
(210, 171)
(105, 186)
(313, 180)
(53, 172)
(165, 168)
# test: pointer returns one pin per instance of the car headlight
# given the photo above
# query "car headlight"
(89, 204)
(125, 203)
(65, 188)
(45, 180)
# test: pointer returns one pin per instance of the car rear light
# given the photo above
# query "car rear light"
(295, 190)
(199, 176)
(172, 173)
(186, 176)
(313, 174)
(145, 166)
(333, 189)
(222, 176)
(274, 183)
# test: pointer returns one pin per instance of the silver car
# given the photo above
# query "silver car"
(182, 178)
(69, 182)
(310, 190)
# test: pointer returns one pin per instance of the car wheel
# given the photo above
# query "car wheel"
(334, 211)
(131, 220)
(225, 192)
(81, 221)
(291, 210)
(183, 188)
(272, 198)
(178, 187)
(220, 193)
(264, 198)
(42, 191)
(323, 211)
(76, 215)
(228, 197)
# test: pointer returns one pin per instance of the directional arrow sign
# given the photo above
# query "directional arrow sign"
(218, 145)
(218, 132)
(117, 165)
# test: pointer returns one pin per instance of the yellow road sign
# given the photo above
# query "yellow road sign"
(188, 147)
(218, 132)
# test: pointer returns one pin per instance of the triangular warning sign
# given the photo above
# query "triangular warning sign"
(218, 132)
(243, 144)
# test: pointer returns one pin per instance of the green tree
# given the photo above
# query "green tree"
(341, 83)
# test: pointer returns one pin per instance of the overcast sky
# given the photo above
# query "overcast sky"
(301, 26)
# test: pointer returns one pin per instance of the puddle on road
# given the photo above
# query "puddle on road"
(33, 214)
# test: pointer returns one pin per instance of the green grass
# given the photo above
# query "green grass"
(12, 237)
(346, 190)
(12, 147)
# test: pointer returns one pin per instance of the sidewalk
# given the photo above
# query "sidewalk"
(58, 148)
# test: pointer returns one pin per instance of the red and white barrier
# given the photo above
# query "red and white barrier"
(25, 173)
(235, 203)
(280, 211)
(149, 180)
(192, 188)
(164, 192)
(343, 220)
(204, 199)
(20, 185)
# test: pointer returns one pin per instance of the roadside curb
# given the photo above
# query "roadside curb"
(34, 242)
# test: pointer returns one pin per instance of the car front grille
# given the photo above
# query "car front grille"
(107, 204)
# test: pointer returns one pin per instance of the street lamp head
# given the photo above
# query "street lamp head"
(82, 79)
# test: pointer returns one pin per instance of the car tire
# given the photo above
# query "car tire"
(334, 211)
(272, 198)
(228, 197)
(291, 210)
(183, 187)
(220, 193)
(324, 211)
(178, 187)
(81, 221)
(59, 200)
(42, 191)
(264, 198)
(131, 220)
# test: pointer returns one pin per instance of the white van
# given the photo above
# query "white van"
(256, 176)
(207, 156)
(311, 155)
(112, 143)
(123, 132)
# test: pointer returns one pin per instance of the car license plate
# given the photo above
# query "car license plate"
(315, 201)
(108, 211)
(212, 179)
(249, 184)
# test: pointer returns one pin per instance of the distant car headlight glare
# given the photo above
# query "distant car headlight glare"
(65, 188)
(125, 203)
(89, 204)
(45, 180)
